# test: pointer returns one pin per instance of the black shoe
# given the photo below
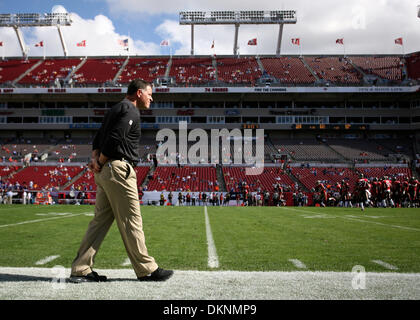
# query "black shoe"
(158, 275)
(90, 277)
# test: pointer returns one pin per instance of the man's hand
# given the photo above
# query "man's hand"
(94, 165)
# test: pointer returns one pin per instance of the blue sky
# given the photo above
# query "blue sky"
(364, 25)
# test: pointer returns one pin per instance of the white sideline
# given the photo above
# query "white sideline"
(46, 260)
(213, 260)
(48, 284)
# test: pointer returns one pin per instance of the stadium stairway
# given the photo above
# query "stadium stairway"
(67, 79)
(220, 178)
(168, 68)
(342, 157)
(117, 75)
(296, 180)
(149, 174)
(260, 64)
(14, 82)
(214, 64)
(75, 178)
(356, 67)
(310, 69)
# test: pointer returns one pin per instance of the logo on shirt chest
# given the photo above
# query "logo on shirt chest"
(130, 122)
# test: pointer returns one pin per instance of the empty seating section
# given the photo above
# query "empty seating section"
(304, 149)
(8, 169)
(143, 68)
(17, 151)
(243, 70)
(86, 182)
(359, 149)
(386, 67)
(50, 70)
(390, 172)
(183, 179)
(267, 180)
(97, 71)
(45, 176)
(288, 70)
(413, 66)
(335, 69)
(80, 152)
(192, 71)
(329, 176)
(12, 69)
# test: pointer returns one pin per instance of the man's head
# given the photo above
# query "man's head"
(140, 93)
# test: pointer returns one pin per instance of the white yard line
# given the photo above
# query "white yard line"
(46, 260)
(350, 218)
(298, 264)
(39, 220)
(385, 264)
(213, 260)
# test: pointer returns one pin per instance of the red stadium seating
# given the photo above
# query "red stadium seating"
(144, 68)
(192, 71)
(289, 70)
(45, 176)
(12, 69)
(184, 178)
(50, 70)
(243, 70)
(329, 176)
(334, 69)
(267, 180)
(413, 66)
(386, 67)
(98, 71)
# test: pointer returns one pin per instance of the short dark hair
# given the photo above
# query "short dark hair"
(137, 84)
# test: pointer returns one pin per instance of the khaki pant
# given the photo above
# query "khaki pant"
(116, 198)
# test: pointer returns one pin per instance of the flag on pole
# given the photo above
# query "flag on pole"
(39, 44)
(123, 43)
(339, 41)
(81, 44)
(252, 42)
(1, 43)
(296, 41)
(399, 41)
(164, 43)
(212, 45)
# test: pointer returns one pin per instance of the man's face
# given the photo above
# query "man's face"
(144, 97)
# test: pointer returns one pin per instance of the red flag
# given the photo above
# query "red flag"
(339, 41)
(81, 44)
(212, 45)
(399, 41)
(1, 43)
(252, 42)
(164, 43)
(296, 41)
(40, 44)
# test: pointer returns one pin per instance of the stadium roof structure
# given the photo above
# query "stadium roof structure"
(237, 18)
(18, 20)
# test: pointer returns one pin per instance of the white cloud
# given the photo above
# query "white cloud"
(368, 27)
(99, 33)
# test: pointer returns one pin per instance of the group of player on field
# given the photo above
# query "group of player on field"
(373, 192)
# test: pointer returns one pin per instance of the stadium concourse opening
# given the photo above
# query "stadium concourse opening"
(326, 120)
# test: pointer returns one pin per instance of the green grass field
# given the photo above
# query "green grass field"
(246, 238)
